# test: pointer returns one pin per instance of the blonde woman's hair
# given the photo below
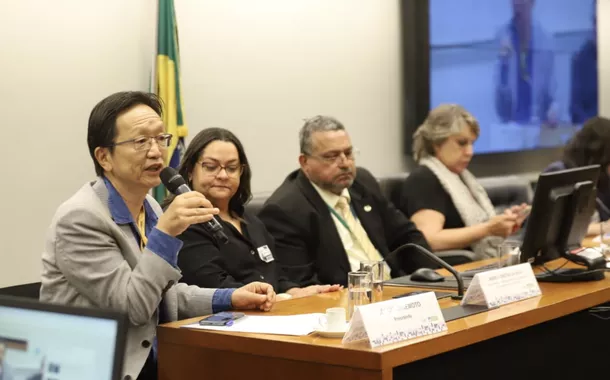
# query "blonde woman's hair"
(443, 121)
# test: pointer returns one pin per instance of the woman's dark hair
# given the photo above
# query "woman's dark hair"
(102, 120)
(590, 146)
(192, 154)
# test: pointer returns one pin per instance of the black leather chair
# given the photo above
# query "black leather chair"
(257, 202)
(508, 190)
(26, 290)
(391, 186)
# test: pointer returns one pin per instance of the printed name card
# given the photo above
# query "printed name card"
(396, 320)
(501, 286)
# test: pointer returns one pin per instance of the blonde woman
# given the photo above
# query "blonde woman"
(442, 197)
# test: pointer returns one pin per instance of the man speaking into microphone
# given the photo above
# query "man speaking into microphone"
(111, 246)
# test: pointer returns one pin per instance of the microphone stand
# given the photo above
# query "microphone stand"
(603, 247)
(439, 261)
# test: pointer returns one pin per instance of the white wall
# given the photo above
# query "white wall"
(260, 67)
(58, 59)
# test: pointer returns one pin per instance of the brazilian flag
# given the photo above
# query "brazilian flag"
(167, 83)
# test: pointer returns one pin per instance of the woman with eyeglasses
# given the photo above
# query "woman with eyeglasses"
(215, 164)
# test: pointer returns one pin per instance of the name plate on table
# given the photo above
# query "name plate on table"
(501, 286)
(396, 320)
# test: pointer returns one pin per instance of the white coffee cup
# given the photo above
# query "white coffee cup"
(333, 320)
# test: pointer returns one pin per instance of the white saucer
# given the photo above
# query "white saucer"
(331, 334)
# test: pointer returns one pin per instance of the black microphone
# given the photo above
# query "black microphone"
(439, 261)
(176, 184)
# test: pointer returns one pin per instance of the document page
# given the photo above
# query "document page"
(298, 325)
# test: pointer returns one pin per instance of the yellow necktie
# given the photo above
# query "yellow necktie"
(142, 229)
(359, 234)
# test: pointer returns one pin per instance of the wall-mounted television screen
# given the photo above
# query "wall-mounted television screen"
(526, 69)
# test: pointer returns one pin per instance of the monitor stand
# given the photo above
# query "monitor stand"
(595, 264)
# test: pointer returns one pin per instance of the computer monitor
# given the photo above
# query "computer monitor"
(48, 341)
(563, 204)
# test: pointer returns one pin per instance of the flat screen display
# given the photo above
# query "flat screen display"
(45, 345)
(526, 69)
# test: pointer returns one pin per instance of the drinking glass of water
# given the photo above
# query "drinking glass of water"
(509, 253)
(358, 291)
(376, 269)
(603, 239)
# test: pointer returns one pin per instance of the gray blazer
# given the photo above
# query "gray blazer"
(89, 260)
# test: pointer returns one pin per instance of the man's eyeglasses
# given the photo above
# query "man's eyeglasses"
(141, 143)
(212, 169)
(336, 157)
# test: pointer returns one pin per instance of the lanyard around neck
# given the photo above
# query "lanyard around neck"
(340, 218)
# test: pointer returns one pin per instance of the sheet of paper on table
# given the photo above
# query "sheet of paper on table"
(298, 325)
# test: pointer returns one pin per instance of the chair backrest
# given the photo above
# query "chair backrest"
(391, 185)
(26, 290)
(506, 191)
(257, 202)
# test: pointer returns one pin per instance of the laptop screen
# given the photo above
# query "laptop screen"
(58, 344)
